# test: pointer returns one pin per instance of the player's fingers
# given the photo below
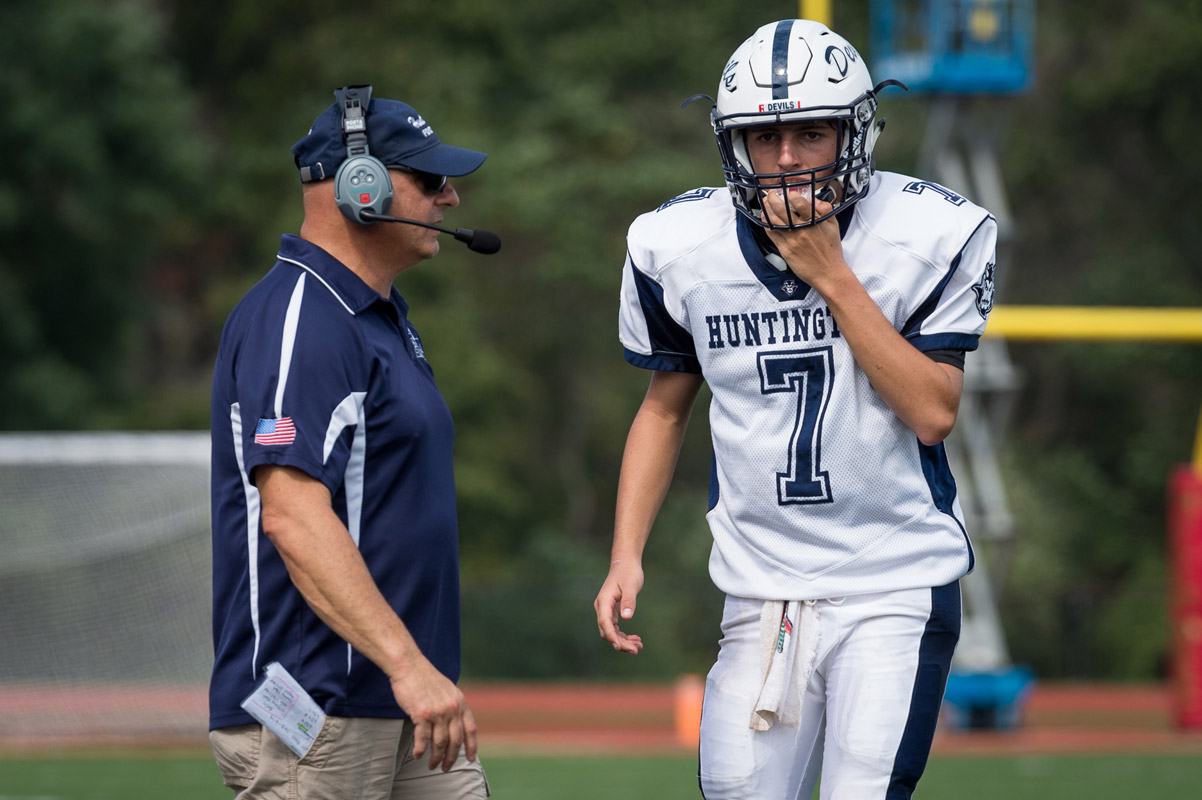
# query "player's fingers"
(772, 204)
(801, 204)
(783, 209)
(607, 608)
(610, 631)
(604, 610)
(627, 603)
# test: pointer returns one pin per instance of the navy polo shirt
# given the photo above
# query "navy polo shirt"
(316, 371)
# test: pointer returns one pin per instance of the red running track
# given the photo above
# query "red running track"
(591, 719)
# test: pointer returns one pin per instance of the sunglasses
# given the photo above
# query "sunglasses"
(434, 184)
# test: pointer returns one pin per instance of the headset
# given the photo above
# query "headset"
(362, 183)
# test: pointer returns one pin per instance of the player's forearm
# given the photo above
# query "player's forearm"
(647, 467)
(648, 463)
(918, 390)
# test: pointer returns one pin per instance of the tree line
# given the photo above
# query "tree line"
(146, 178)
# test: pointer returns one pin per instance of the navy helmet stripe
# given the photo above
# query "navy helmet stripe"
(780, 60)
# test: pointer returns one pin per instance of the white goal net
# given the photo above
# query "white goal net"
(104, 587)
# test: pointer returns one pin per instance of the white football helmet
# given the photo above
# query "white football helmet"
(791, 71)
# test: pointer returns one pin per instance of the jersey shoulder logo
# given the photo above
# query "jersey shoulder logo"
(696, 194)
(984, 291)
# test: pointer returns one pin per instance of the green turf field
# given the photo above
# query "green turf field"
(1109, 777)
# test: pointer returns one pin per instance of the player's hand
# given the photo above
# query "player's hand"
(812, 252)
(800, 209)
(442, 721)
(616, 601)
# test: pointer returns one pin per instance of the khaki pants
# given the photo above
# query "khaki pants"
(360, 758)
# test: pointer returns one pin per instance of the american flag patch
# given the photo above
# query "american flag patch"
(275, 431)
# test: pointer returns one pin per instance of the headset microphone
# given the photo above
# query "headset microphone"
(485, 242)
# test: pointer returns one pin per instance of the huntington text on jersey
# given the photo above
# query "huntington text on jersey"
(756, 329)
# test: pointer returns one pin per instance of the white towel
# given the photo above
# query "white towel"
(790, 635)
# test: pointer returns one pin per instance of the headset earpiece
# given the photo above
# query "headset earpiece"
(362, 183)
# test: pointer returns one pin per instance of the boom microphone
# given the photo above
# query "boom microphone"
(481, 241)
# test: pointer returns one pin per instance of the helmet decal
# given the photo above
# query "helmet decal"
(730, 77)
(841, 59)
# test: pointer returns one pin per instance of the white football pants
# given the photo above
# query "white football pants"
(868, 712)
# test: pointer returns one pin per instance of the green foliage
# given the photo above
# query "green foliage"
(1098, 159)
(1100, 430)
(531, 616)
(97, 170)
(147, 178)
(1086, 591)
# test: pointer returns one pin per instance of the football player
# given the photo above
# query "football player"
(829, 307)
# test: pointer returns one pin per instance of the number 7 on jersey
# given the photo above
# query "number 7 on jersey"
(809, 375)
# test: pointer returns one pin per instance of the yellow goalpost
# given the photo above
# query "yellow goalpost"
(1100, 323)
(1081, 323)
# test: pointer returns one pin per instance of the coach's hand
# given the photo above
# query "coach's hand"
(616, 601)
(442, 721)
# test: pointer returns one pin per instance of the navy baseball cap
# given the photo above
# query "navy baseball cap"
(396, 134)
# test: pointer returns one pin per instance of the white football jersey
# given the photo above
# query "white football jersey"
(818, 489)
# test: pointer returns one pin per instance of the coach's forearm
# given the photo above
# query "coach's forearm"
(328, 570)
